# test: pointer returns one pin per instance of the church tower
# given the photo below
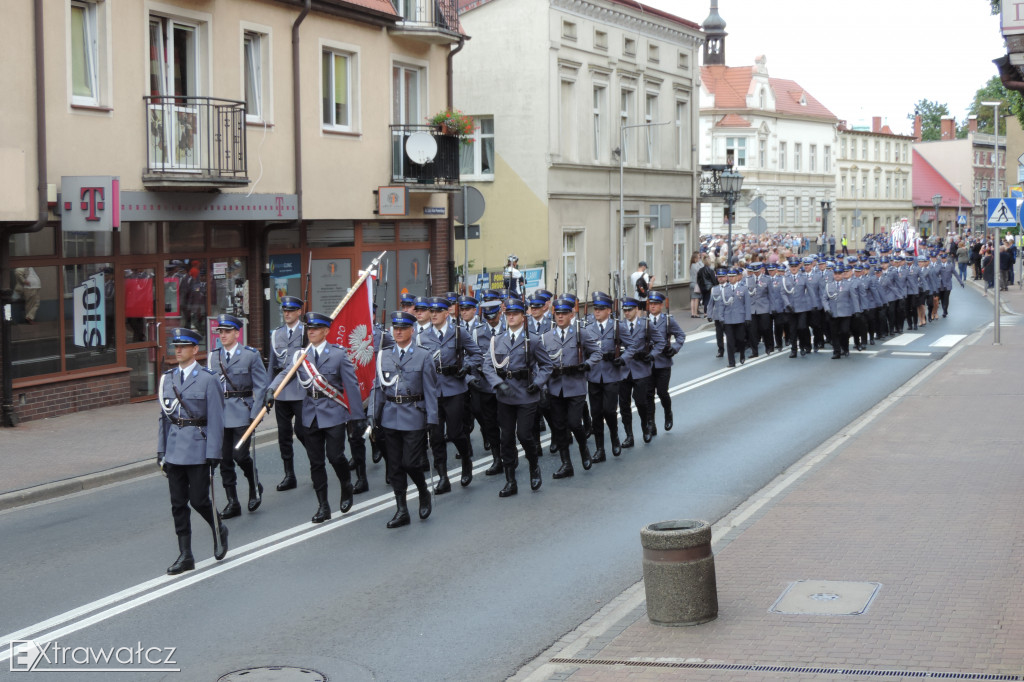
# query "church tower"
(714, 46)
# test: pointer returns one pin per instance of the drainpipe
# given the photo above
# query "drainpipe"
(7, 415)
(450, 103)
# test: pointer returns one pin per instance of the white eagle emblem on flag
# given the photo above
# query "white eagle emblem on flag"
(360, 346)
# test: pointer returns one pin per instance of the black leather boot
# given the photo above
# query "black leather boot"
(443, 484)
(585, 455)
(598, 456)
(232, 508)
(564, 471)
(288, 482)
(668, 420)
(646, 429)
(510, 488)
(255, 497)
(495, 467)
(223, 543)
(323, 512)
(361, 485)
(627, 443)
(401, 517)
(467, 471)
(185, 560)
(617, 446)
(345, 478)
(535, 478)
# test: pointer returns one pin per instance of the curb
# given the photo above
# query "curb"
(77, 484)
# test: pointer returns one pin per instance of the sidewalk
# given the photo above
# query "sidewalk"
(922, 494)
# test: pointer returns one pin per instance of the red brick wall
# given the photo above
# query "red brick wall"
(76, 395)
(440, 254)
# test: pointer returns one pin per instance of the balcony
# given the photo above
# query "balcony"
(430, 21)
(439, 175)
(711, 180)
(194, 143)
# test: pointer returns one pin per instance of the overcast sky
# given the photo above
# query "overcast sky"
(865, 58)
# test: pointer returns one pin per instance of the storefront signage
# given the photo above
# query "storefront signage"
(534, 279)
(139, 206)
(1012, 16)
(433, 210)
(90, 203)
(393, 201)
(90, 313)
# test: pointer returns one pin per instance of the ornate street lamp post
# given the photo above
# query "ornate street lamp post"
(732, 183)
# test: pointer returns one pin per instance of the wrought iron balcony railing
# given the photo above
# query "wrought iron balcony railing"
(443, 170)
(441, 14)
(195, 140)
(711, 180)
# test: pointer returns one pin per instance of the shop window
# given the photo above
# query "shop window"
(35, 320)
(89, 316)
(379, 233)
(185, 296)
(328, 233)
(226, 236)
(182, 237)
(230, 288)
(137, 238)
(412, 271)
(285, 238)
(32, 243)
(83, 244)
(414, 232)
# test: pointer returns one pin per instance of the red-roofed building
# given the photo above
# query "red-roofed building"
(930, 184)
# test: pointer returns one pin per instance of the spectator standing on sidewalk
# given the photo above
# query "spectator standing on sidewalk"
(963, 257)
(831, 245)
(695, 289)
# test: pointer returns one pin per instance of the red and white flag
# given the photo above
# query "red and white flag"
(352, 329)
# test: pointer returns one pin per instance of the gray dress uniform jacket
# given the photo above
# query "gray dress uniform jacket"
(760, 302)
(735, 303)
(815, 285)
(673, 334)
(644, 338)
(947, 271)
(413, 375)
(796, 288)
(839, 298)
(539, 328)
(337, 369)
(778, 299)
(605, 371)
(524, 358)
(566, 380)
(244, 380)
(932, 276)
(911, 281)
(201, 398)
(446, 362)
(282, 351)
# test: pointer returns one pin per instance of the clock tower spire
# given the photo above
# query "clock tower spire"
(714, 46)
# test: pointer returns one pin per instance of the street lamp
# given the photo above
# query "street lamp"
(825, 207)
(732, 183)
(959, 196)
(936, 202)
(995, 230)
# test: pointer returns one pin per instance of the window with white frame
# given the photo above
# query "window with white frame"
(406, 106)
(864, 185)
(782, 156)
(864, 150)
(572, 254)
(812, 158)
(256, 73)
(649, 235)
(782, 212)
(680, 254)
(842, 148)
(627, 100)
(600, 40)
(878, 156)
(827, 159)
(887, 154)
(476, 159)
(336, 89)
(842, 186)
(84, 53)
(797, 153)
(650, 111)
(888, 186)
(174, 56)
(762, 153)
(600, 104)
(682, 134)
(904, 194)
(567, 127)
(629, 47)
(736, 151)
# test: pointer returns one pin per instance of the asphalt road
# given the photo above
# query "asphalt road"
(473, 593)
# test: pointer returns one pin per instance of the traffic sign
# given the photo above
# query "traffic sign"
(758, 206)
(474, 232)
(1002, 212)
(474, 201)
(757, 225)
(961, 219)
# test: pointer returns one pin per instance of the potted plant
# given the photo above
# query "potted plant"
(455, 123)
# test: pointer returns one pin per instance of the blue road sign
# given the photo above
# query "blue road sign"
(1002, 212)
(961, 219)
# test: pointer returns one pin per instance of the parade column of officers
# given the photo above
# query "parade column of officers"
(446, 364)
(810, 302)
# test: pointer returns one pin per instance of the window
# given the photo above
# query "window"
(629, 47)
(653, 53)
(336, 91)
(904, 152)
(798, 211)
(904, 194)
(567, 128)
(853, 185)
(888, 186)
(782, 211)
(864, 150)
(569, 30)
(864, 186)
(626, 99)
(84, 54)
(650, 111)
(572, 261)
(174, 57)
(600, 102)
(842, 148)
(827, 159)
(896, 153)
(600, 40)
(649, 233)
(256, 71)
(782, 156)
(877, 181)
(762, 99)
(812, 158)
(842, 186)
(797, 153)
(476, 160)
(736, 151)
(682, 135)
(887, 145)
(762, 153)
(684, 61)
(877, 154)
(680, 254)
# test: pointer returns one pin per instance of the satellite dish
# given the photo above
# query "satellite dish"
(421, 148)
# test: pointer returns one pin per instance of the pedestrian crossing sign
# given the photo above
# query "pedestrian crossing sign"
(1002, 212)
(961, 219)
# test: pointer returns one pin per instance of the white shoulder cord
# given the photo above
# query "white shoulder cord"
(167, 407)
(380, 374)
(494, 359)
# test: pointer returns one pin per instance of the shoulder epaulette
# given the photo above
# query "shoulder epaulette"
(210, 371)
(168, 371)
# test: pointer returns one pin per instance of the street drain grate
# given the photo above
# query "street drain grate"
(791, 669)
(825, 598)
(274, 673)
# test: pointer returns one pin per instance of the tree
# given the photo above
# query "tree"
(931, 114)
(993, 91)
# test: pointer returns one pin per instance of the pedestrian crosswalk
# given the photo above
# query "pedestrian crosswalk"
(906, 344)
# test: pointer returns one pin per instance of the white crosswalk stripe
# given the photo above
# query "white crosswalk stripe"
(948, 341)
(904, 339)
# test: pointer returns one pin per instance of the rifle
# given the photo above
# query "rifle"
(384, 315)
(556, 284)
(429, 283)
(615, 313)
(305, 296)
(302, 356)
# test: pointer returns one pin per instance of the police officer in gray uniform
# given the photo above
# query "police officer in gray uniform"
(454, 356)
(332, 400)
(947, 271)
(839, 300)
(635, 385)
(735, 315)
(284, 342)
(189, 441)
(485, 401)
(242, 375)
(517, 370)
(404, 408)
(604, 377)
(571, 358)
(674, 335)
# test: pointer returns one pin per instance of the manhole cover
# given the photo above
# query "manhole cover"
(274, 673)
(826, 598)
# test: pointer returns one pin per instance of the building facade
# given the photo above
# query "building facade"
(199, 157)
(874, 181)
(585, 74)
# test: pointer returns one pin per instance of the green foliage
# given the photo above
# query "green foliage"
(931, 118)
(993, 91)
(995, 6)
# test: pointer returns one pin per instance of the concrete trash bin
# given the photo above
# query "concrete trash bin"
(679, 573)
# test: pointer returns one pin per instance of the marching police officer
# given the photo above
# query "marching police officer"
(485, 402)
(332, 400)
(518, 370)
(797, 287)
(571, 358)
(714, 311)
(665, 325)
(242, 375)
(454, 356)
(604, 376)
(404, 408)
(947, 271)
(284, 342)
(735, 302)
(635, 385)
(189, 441)
(839, 300)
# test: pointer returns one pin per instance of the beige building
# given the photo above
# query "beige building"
(209, 156)
(548, 161)
(873, 181)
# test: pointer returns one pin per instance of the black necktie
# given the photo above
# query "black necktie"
(631, 325)
(401, 355)
(563, 336)
(440, 335)
(316, 356)
(290, 333)
(513, 339)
